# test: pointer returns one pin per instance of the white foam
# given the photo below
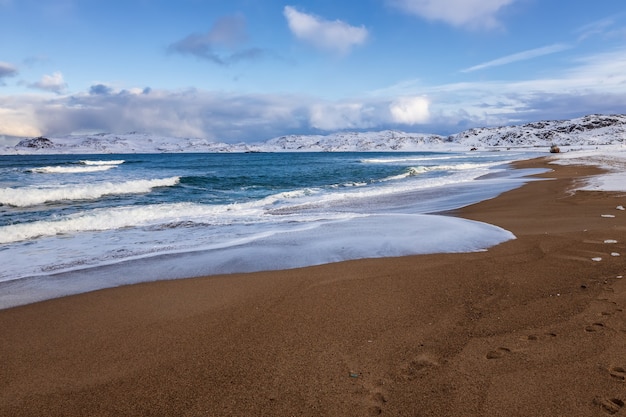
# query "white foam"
(31, 196)
(113, 162)
(105, 219)
(408, 159)
(387, 236)
(476, 168)
(409, 172)
(72, 169)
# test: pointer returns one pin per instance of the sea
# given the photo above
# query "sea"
(76, 223)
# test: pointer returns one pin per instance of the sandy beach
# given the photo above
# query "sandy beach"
(532, 327)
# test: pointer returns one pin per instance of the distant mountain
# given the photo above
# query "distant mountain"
(589, 130)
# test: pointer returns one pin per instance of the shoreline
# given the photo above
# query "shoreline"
(533, 326)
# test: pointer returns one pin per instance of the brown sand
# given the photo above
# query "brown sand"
(532, 327)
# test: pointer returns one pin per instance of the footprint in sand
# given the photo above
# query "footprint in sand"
(498, 353)
(376, 397)
(418, 365)
(535, 337)
(618, 373)
(609, 405)
(595, 327)
(379, 399)
(614, 310)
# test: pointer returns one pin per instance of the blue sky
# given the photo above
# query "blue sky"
(250, 70)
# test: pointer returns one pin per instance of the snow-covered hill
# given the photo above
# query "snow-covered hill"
(132, 142)
(387, 140)
(590, 130)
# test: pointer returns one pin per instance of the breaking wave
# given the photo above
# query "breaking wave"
(99, 220)
(72, 169)
(83, 166)
(154, 216)
(32, 196)
(413, 171)
(99, 163)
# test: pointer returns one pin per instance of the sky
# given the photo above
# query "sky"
(251, 70)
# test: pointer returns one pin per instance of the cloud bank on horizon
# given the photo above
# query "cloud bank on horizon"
(252, 70)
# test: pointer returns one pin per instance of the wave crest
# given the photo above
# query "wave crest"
(32, 196)
(72, 169)
(107, 219)
(99, 163)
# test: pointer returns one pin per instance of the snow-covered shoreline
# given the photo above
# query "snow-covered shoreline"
(612, 158)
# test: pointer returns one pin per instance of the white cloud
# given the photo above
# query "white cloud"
(340, 116)
(410, 110)
(336, 36)
(370, 113)
(17, 118)
(53, 83)
(470, 13)
(520, 56)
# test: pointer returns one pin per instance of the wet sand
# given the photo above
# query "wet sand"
(532, 327)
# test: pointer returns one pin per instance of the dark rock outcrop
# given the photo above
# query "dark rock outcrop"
(35, 143)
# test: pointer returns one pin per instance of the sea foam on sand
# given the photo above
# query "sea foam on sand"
(371, 236)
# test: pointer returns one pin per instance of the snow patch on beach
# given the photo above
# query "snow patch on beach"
(611, 158)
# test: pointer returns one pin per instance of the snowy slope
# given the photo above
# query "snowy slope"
(354, 141)
(587, 130)
(126, 143)
(590, 130)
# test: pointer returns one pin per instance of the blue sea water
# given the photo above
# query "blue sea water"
(73, 223)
